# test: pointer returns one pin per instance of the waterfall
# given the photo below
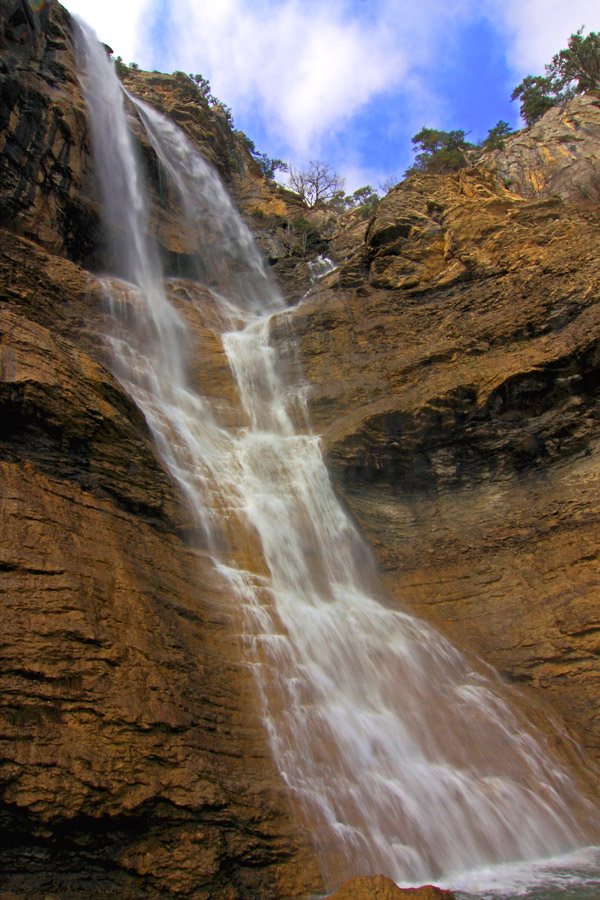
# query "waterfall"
(402, 757)
(319, 268)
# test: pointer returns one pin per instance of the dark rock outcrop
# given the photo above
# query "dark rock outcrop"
(49, 190)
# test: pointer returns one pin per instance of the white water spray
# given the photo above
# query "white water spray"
(320, 267)
(404, 759)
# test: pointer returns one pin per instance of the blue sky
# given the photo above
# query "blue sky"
(347, 82)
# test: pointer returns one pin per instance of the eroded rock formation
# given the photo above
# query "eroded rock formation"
(377, 887)
(454, 360)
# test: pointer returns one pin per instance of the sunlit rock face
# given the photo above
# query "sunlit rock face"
(454, 361)
(377, 887)
(558, 156)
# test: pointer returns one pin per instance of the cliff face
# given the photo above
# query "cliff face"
(558, 156)
(133, 758)
(49, 190)
(454, 360)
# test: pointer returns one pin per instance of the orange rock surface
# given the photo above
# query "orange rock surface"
(134, 762)
(377, 887)
(454, 366)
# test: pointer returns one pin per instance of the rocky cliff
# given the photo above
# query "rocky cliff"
(454, 364)
(454, 359)
(133, 759)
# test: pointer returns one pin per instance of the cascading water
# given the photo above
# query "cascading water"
(320, 267)
(403, 759)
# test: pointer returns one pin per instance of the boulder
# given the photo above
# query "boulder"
(378, 887)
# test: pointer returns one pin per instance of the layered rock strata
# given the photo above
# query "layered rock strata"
(134, 761)
(454, 363)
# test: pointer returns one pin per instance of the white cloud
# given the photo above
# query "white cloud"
(116, 22)
(306, 70)
(537, 29)
(305, 67)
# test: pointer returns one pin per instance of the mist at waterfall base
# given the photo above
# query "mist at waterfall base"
(402, 759)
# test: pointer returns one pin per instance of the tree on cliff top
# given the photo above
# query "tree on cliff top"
(496, 135)
(316, 184)
(574, 70)
(439, 151)
(577, 69)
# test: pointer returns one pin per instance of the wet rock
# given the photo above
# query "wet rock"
(377, 887)
(454, 371)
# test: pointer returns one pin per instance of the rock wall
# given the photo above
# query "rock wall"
(49, 190)
(454, 360)
(133, 757)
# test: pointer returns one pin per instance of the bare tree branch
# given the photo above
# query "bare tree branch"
(316, 184)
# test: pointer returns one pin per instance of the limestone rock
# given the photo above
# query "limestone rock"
(133, 757)
(49, 190)
(558, 156)
(454, 371)
(134, 762)
(377, 887)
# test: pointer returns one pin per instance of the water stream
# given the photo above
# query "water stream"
(404, 759)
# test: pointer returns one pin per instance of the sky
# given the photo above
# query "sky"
(347, 82)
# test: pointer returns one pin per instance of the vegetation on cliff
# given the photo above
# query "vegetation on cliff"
(574, 70)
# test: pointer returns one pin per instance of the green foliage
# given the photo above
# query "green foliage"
(363, 195)
(439, 152)
(574, 70)
(269, 166)
(496, 135)
(187, 89)
(133, 65)
(203, 84)
(338, 201)
(193, 86)
(300, 223)
(223, 109)
(309, 238)
(364, 200)
(120, 67)
(266, 164)
(537, 95)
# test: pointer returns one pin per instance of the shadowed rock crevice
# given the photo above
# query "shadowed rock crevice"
(532, 420)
